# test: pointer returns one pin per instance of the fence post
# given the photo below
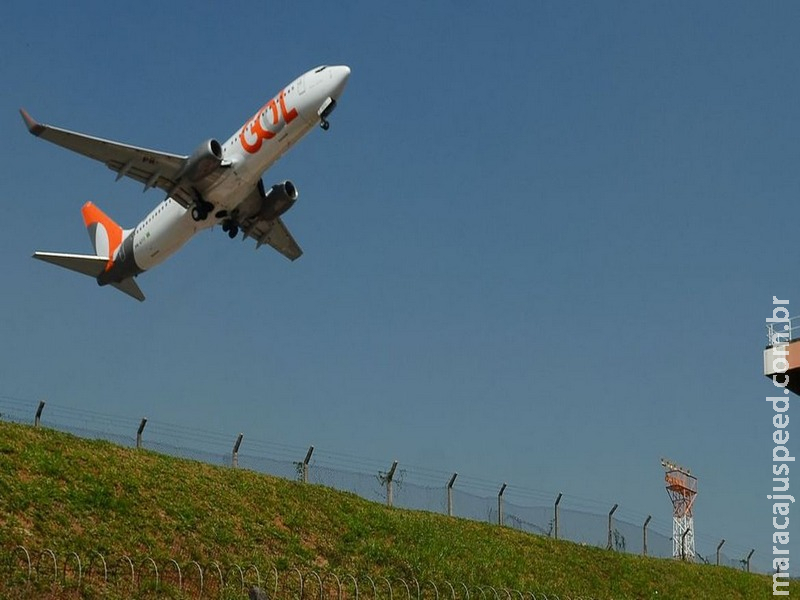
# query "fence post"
(389, 477)
(719, 548)
(748, 559)
(500, 505)
(610, 516)
(305, 463)
(450, 494)
(683, 543)
(39, 413)
(235, 454)
(139, 433)
(644, 535)
(555, 516)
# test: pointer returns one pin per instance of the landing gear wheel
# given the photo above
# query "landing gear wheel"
(325, 125)
(201, 208)
(230, 227)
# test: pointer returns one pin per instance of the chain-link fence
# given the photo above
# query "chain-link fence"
(561, 516)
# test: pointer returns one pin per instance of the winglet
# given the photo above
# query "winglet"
(34, 127)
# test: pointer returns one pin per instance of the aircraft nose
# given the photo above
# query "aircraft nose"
(340, 75)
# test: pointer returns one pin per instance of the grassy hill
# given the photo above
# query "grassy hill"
(69, 495)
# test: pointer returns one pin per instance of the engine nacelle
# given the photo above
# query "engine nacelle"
(203, 161)
(277, 200)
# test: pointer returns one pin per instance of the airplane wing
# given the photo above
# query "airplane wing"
(274, 233)
(150, 167)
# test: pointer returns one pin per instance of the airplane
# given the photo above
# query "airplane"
(219, 183)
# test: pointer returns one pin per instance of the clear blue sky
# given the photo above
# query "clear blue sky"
(540, 239)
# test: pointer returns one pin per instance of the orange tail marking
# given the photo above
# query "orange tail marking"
(105, 234)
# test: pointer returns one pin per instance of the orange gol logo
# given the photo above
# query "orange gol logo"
(254, 129)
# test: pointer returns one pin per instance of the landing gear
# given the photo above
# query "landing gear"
(230, 227)
(325, 111)
(201, 209)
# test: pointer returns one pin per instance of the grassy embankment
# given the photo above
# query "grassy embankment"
(71, 495)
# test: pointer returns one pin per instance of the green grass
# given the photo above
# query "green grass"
(73, 495)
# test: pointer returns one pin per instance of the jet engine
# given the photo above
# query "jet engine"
(277, 200)
(203, 161)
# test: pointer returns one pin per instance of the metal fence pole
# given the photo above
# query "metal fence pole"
(389, 477)
(555, 516)
(500, 505)
(39, 413)
(719, 548)
(305, 463)
(748, 559)
(450, 494)
(235, 454)
(610, 516)
(139, 433)
(644, 535)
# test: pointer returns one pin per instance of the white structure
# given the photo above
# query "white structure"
(682, 490)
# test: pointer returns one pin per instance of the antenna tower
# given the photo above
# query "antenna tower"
(682, 490)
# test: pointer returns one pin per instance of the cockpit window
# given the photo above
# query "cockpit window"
(320, 69)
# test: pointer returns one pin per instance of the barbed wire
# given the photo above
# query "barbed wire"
(132, 573)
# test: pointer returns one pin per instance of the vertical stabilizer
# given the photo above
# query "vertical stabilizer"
(105, 234)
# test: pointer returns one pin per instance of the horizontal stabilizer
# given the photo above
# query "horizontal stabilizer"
(80, 263)
(92, 266)
(130, 287)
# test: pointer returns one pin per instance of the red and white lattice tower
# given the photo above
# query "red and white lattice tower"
(682, 490)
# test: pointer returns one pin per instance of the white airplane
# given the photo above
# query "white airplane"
(218, 183)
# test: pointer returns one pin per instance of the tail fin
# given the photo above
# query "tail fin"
(106, 238)
(105, 234)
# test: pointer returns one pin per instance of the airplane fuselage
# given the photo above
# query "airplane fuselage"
(248, 153)
(275, 128)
